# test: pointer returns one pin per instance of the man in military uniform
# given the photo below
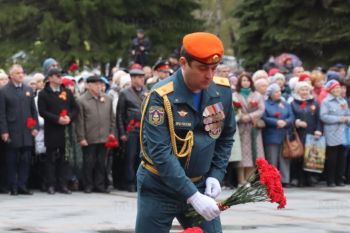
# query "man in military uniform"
(187, 130)
(161, 71)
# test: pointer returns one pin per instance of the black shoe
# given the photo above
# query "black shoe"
(51, 190)
(101, 190)
(24, 191)
(87, 190)
(331, 185)
(14, 192)
(109, 188)
(3, 191)
(341, 183)
(65, 190)
(131, 189)
(286, 185)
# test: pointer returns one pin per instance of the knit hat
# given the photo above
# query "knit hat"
(273, 71)
(302, 84)
(272, 89)
(332, 75)
(293, 82)
(304, 76)
(330, 85)
(47, 65)
(260, 74)
(276, 77)
(67, 82)
(259, 82)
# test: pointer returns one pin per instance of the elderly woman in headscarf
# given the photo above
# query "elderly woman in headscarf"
(260, 74)
(278, 118)
(281, 81)
(307, 121)
(335, 115)
(261, 87)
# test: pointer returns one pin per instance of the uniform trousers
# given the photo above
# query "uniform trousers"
(158, 205)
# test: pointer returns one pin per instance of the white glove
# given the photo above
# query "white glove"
(204, 205)
(213, 188)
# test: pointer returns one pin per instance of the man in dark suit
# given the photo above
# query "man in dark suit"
(58, 108)
(16, 107)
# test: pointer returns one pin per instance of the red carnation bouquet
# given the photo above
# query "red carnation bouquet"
(111, 142)
(31, 123)
(193, 230)
(64, 113)
(265, 185)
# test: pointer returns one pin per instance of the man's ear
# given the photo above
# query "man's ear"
(182, 61)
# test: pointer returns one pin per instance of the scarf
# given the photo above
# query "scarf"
(245, 92)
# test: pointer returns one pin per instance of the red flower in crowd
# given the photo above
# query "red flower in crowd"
(31, 122)
(192, 230)
(254, 104)
(64, 113)
(237, 104)
(271, 179)
(73, 67)
(303, 104)
(111, 142)
(277, 114)
(132, 124)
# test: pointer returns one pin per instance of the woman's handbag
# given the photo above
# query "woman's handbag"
(292, 148)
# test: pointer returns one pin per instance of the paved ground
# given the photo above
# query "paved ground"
(309, 210)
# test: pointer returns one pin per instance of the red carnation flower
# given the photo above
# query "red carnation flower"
(64, 113)
(111, 142)
(192, 230)
(237, 104)
(73, 67)
(277, 114)
(31, 123)
(303, 104)
(254, 104)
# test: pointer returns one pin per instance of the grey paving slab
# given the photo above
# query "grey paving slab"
(309, 210)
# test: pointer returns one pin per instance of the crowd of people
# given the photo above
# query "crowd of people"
(64, 132)
(280, 103)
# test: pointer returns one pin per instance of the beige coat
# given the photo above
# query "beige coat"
(245, 128)
(96, 119)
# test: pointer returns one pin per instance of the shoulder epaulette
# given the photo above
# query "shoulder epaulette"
(165, 89)
(221, 81)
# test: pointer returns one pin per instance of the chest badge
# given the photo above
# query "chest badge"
(213, 117)
(182, 113)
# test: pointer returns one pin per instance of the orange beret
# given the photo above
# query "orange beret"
(203, 47)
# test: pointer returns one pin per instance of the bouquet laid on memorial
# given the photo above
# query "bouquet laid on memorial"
(264, 185)
(31, 123)
(192, 230)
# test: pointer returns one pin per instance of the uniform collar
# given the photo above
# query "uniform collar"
(183, 95)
